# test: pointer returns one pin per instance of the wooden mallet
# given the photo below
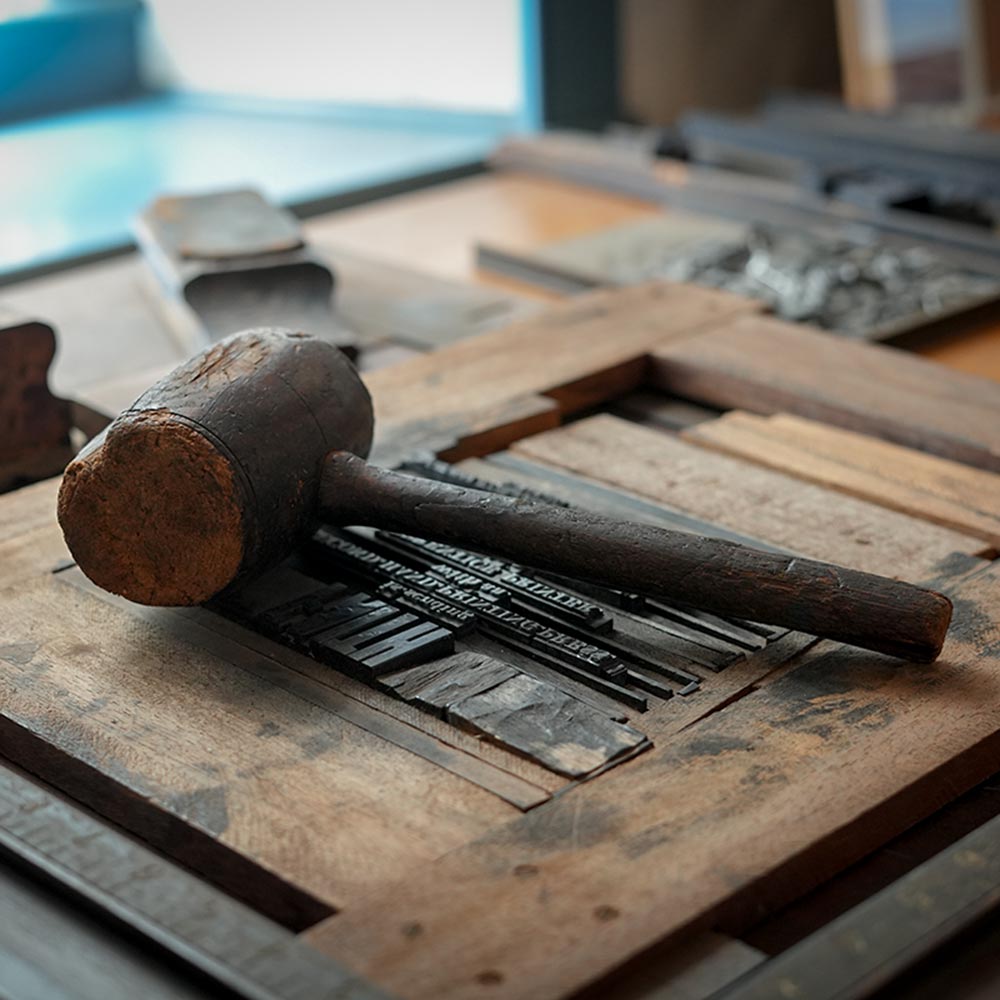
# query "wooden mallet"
(220, 468)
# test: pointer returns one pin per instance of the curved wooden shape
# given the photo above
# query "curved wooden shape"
(34, 424)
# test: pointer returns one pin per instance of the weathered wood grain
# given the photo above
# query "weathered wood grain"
(925, 486)
(753, 805)
(763, 504)
(580, 353)
(160, 734)
(764, 365)
(29, 547)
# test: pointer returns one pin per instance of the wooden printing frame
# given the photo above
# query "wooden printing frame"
(744, 807)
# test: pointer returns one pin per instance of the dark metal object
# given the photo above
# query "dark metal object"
(409, 655)
(211, 941)
(463, 601)
(359, 633)
(749, 198)
(908, 129)
(779, 145)
(848, 283)
(195, 468)
(509, 581)
(797, 593)
(869, 946)
(520, 712)
(235, 260)
(862, 289)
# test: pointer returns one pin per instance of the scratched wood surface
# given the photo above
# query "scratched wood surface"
(757, 801)
(576, 354)
(34, 424)
(740, 495)
(926, 486)
(285, 782)
(764, 365)
(277, 786)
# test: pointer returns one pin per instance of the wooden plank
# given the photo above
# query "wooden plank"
(925, 486)
(740, 495)
(766, 366)
(748, 808)
(29, 548)
(580, 353)
(254, 776)
(952, 481)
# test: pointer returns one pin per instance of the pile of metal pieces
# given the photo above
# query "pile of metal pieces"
(836, 284)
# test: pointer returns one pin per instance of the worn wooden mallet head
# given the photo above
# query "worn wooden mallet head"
(221, 467)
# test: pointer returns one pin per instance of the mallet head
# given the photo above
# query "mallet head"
(212, 474)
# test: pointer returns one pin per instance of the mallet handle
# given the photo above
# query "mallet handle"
(857, 608)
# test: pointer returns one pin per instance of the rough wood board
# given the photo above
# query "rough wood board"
(580, 352)
(533, 777)
(759, 801)
(925, 486)
(740, 495)
(764, 365)
(164, 727)
(953, 481)
(29, 546)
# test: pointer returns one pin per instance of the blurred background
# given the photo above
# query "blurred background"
(105, 103)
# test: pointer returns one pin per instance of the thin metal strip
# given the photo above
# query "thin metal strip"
(195, 924)
(867, 947)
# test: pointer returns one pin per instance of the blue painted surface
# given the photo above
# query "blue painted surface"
(532, 114)
(68, 57)
(70, 185)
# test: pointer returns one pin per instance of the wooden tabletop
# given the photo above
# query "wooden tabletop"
(438, 863)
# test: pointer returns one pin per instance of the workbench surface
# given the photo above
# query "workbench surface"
(435, 862)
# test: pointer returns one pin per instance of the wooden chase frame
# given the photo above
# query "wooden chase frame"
(434, 865)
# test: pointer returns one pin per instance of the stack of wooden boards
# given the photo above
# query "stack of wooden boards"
(440, 866)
